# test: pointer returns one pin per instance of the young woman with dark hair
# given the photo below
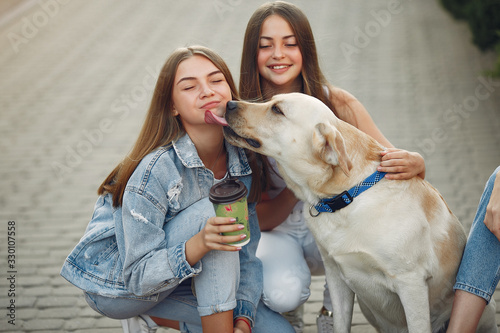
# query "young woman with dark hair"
(279, 56)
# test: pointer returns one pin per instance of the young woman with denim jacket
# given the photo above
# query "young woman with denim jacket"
(153, 250)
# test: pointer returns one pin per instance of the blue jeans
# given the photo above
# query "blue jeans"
(213, 290)
(479, 270)
(181, 305)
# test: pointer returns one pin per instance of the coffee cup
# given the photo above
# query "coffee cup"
(229, 198)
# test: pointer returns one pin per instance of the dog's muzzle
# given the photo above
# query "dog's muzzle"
(231, 106)
(231, 109)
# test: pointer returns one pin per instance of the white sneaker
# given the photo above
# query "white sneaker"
(295, 318)
(324, 321)
(139, 324)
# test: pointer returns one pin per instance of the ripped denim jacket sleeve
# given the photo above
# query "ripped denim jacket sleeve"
(138, 250)
(149, 264)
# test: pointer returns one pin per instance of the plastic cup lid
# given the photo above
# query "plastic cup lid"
(228, 190)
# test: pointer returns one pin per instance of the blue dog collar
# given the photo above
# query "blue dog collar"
(330, 205)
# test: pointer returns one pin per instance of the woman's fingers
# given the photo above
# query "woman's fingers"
(215, 240)
(401, 164)
(222, 224)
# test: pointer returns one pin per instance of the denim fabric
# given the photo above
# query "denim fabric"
(137, 251)
(180, 305)
(479, 270)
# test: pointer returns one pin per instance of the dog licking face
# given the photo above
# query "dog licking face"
(270, 126)
(397, 246)
(297, 130)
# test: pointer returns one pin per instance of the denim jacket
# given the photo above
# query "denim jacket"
(109, 262)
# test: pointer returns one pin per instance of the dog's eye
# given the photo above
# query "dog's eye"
(276, 109)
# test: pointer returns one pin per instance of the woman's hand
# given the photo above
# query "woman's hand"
(492, 218)
(212, 234)
(210, 238)
(401, 164)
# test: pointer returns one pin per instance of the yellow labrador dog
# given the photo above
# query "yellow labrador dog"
(394, 244)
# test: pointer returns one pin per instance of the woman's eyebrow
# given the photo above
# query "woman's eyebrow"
(214, 72)
(270, 38)
(189, 78)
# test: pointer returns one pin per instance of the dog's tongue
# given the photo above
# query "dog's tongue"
(211, 118)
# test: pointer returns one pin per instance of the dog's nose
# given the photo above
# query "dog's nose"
(231, 106)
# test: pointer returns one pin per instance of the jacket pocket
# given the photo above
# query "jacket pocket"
(109, 263)
(109, 251)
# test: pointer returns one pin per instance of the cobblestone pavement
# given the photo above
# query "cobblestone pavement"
(76, 78)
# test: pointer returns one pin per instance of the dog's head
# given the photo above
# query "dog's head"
(297, 130)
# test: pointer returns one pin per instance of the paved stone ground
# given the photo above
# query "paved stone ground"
(76, 78)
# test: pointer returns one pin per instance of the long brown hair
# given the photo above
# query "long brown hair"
(313, 80)
(160, 127)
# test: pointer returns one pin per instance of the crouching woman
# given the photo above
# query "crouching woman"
(153, 253)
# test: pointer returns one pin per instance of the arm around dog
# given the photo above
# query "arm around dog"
(351, 110)
(398, 163)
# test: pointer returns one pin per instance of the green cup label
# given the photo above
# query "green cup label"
(229, 198)
(238, 210)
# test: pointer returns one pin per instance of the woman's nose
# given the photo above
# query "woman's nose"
(206, 91)
(277, 53)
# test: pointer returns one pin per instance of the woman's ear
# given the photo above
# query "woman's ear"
(174, 111)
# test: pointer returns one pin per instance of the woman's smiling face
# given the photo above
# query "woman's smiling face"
(199, 87)
(279, 59)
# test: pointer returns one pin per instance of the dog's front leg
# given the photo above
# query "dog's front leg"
(342, 298)
(414, 295)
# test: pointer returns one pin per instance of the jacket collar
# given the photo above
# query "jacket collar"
(237, 159)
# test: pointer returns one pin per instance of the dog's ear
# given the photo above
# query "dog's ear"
(329, 144)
